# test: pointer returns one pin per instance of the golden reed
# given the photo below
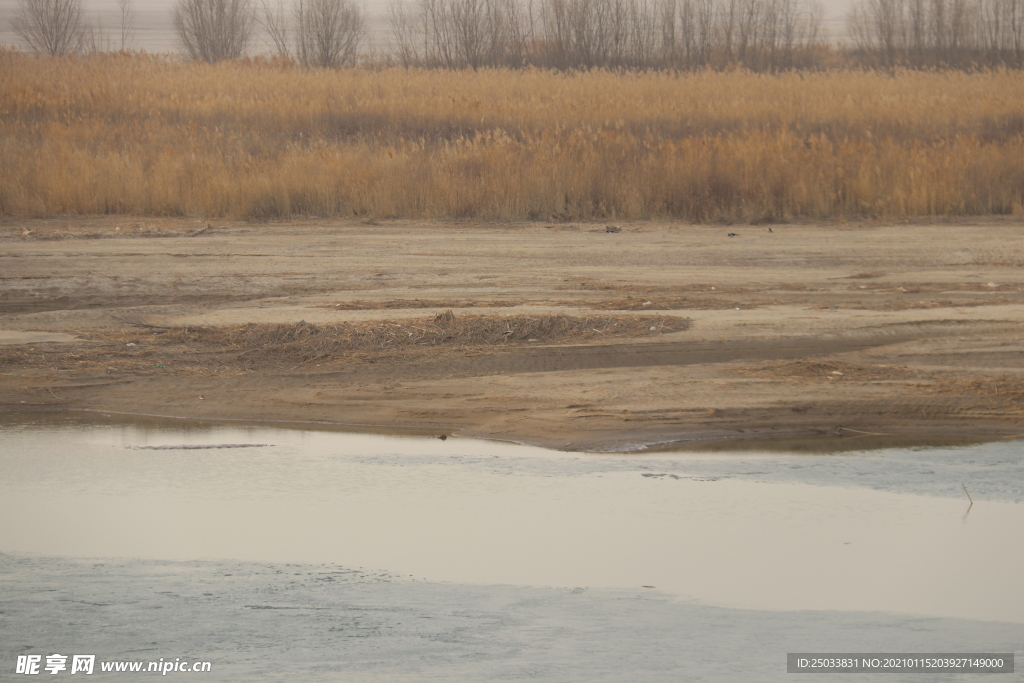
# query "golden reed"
(258, 140)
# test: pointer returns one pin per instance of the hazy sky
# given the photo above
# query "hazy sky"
(155, 33)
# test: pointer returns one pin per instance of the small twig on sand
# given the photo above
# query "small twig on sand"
(857, 431)
(54, 395)
(968, 495)
(136, 323)
(969, 507)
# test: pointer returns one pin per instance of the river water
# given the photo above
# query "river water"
(379, 557)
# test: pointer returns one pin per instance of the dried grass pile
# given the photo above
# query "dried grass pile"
(669, 303)
(836, 370)
(1005, 389)
(305, 342)
(365, 305)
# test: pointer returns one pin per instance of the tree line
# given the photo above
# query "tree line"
(952, 33)
(573, 34)
(761, 35)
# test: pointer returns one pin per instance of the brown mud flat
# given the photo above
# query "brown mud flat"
(565, 336)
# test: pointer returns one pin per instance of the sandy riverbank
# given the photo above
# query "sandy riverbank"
(906, 330)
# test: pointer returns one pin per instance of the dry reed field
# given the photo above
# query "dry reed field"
(261, 140)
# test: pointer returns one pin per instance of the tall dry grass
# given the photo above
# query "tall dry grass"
(260, 140)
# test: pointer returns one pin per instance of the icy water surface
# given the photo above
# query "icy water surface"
(490, 559)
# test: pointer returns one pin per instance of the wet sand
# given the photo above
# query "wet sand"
(845, 331)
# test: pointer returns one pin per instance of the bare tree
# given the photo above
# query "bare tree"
(96, 38)
(52, 27)
(1001, 30)
(328, 32)
(944, 33)
(879, 29)
(212, 30)
(645, 34)
(323, 33)
(126, 12)
(462, 33)
(706, 14)
(469, 22)
(406, 33)
(520, 26)
(582, 34)
(274, 21)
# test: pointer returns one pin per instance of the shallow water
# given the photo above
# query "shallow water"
(888, 531)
